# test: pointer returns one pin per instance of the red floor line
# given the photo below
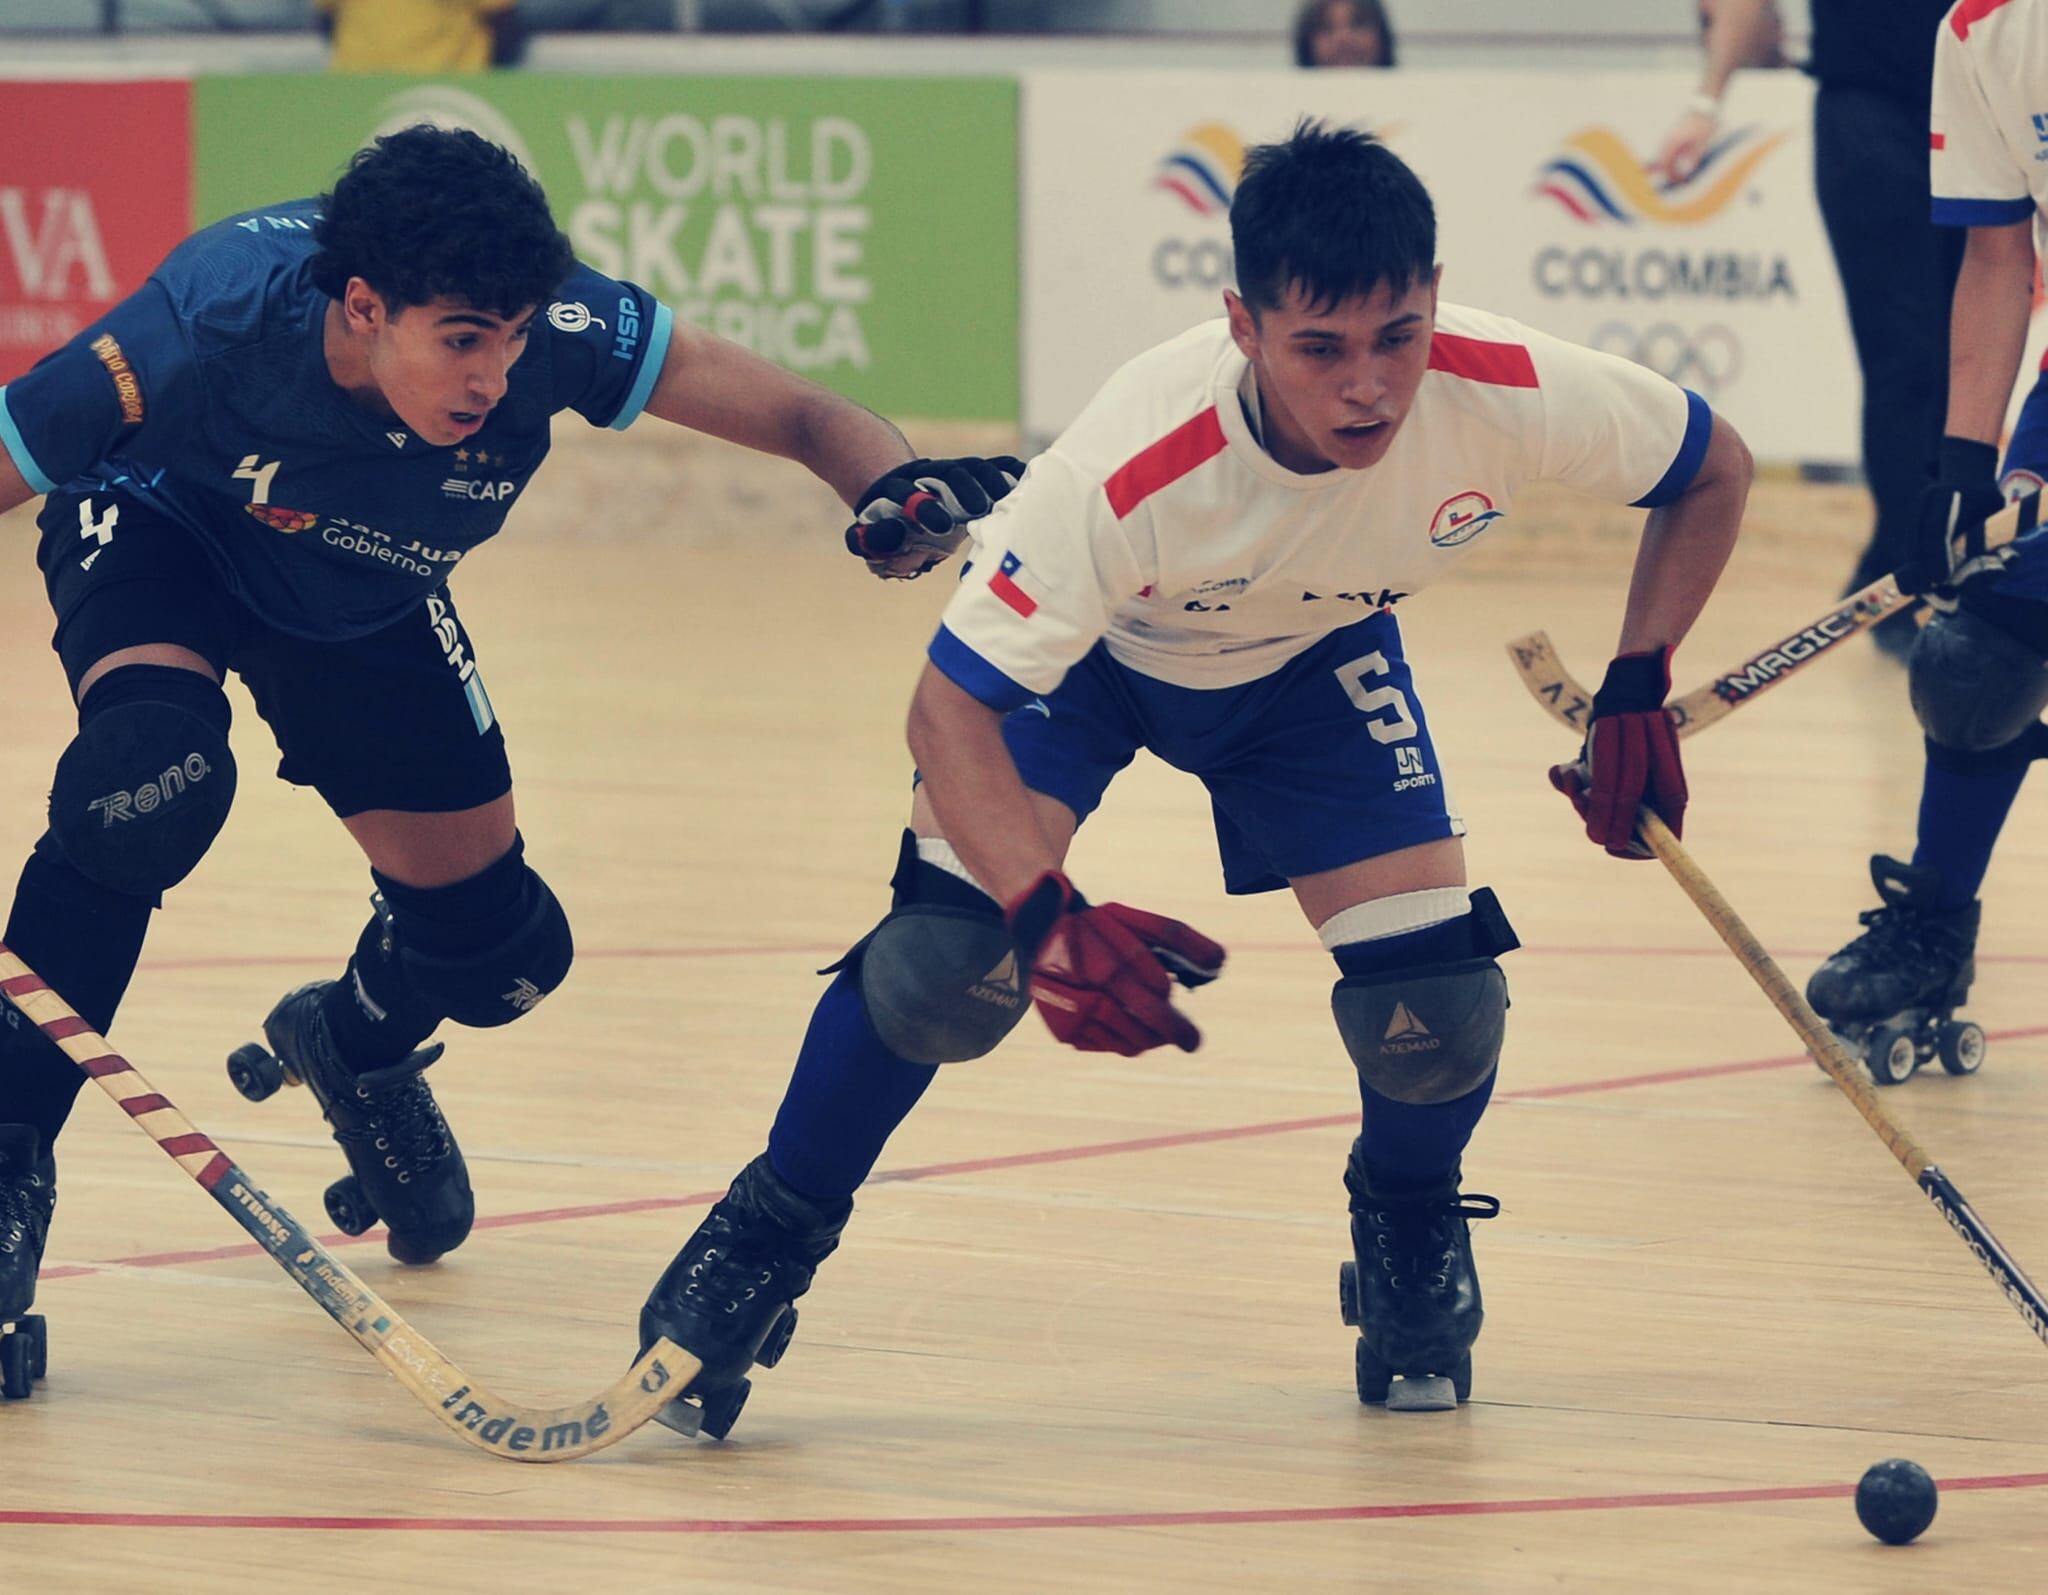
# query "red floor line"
(1211, 1518)
(983, 1165)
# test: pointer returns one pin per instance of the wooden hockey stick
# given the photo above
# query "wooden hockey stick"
(1554, 686)
(1844, 1070)
(486, 1421)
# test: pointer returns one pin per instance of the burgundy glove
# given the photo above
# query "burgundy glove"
(1100, 976)
(1630, 757)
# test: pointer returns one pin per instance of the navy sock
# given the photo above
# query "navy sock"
(1964, 800)
(848, 1094)
(83, 940)
(1407, 1145)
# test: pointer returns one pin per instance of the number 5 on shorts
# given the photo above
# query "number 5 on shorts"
(1398, 726)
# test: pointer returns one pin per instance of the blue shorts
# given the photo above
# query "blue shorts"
(2027, 575)
(1324, 762)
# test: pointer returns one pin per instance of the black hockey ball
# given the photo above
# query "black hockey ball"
(1895, 1500)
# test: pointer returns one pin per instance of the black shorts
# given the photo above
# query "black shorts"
(395, 720)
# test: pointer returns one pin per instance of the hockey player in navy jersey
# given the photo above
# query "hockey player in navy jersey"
(270, 460)
(1205, 564)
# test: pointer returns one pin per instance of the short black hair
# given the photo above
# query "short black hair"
(1309, 21)
(1333, 210)
(429, 212)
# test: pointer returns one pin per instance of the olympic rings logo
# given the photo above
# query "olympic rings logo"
(1708, 359)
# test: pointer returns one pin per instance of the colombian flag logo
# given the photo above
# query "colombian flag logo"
(1202, 169)
(1597, 180)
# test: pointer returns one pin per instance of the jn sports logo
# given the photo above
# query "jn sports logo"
(1597, 180)
(1202, 169)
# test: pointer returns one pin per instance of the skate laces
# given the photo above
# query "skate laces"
(1898, 932)
(1418, 1242)
(412, 1134)
(24, 1211)
(727, 1273)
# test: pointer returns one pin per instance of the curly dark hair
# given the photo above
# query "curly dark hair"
(1332, 211)
(429, 212)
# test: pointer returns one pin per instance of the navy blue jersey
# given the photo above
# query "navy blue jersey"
(206, 394)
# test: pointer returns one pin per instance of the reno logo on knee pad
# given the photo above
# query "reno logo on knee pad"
(150, 796)
(525, 996)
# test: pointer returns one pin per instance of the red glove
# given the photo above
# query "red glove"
(1100, 976)
(1630, 757)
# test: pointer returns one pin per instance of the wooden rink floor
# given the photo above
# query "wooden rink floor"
(1083, 1333)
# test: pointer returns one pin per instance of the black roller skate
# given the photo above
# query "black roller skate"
(405, 1167)
(28, 1196)
(726, 1299)
(1892, 993)
(1412, 1292)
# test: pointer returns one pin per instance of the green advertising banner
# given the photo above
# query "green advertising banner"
(862, 231)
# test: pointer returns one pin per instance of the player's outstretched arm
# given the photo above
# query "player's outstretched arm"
(14, 488)
(711, 385)
(910, 513)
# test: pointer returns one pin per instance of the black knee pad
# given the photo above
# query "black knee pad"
(940, 975)
(1431, 1032)
(483, 951)
(1974, 685)
(147, 783)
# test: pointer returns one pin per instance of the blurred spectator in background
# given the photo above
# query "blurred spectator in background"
(1874, 62)
(422, 35)
(1343, 33)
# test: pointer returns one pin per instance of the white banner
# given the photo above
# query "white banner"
(1545, 212)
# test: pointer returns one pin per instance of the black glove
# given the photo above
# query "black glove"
(1948, 541)
(918, 513)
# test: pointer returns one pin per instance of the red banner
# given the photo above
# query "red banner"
(95, 189)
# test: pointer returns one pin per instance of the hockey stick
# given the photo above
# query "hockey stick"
(1554, 686)
(486, 1421)
(1843, 1069)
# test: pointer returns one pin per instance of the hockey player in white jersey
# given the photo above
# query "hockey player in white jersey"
(1206, 564)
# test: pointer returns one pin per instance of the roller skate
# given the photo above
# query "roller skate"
(1892, 993)
(405, 1167)
(28, 1196)
(727, 1298)
(1412, 1291)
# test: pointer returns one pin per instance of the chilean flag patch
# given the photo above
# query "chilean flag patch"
(1004, 585)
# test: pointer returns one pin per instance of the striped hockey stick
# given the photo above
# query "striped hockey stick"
(1843, 1069)
(486, 1421)
(1560, 692)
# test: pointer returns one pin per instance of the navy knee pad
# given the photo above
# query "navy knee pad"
(1974, 685)
(483, 951)
(147, 783)
(940, 976)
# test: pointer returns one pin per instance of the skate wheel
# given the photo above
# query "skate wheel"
(1347, 1292)
(349, 1206)
(1374, 1376)
(722, 1409)
(17, 1360)
(1960, 1046)
(254, 1072)
(780, 1333)
(1424, 1392)
(1892, 1055)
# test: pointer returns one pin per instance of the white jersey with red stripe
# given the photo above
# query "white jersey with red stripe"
(1159, 525)
(1988, 157)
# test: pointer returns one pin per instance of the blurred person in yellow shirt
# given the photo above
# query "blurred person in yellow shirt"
(422, 35)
